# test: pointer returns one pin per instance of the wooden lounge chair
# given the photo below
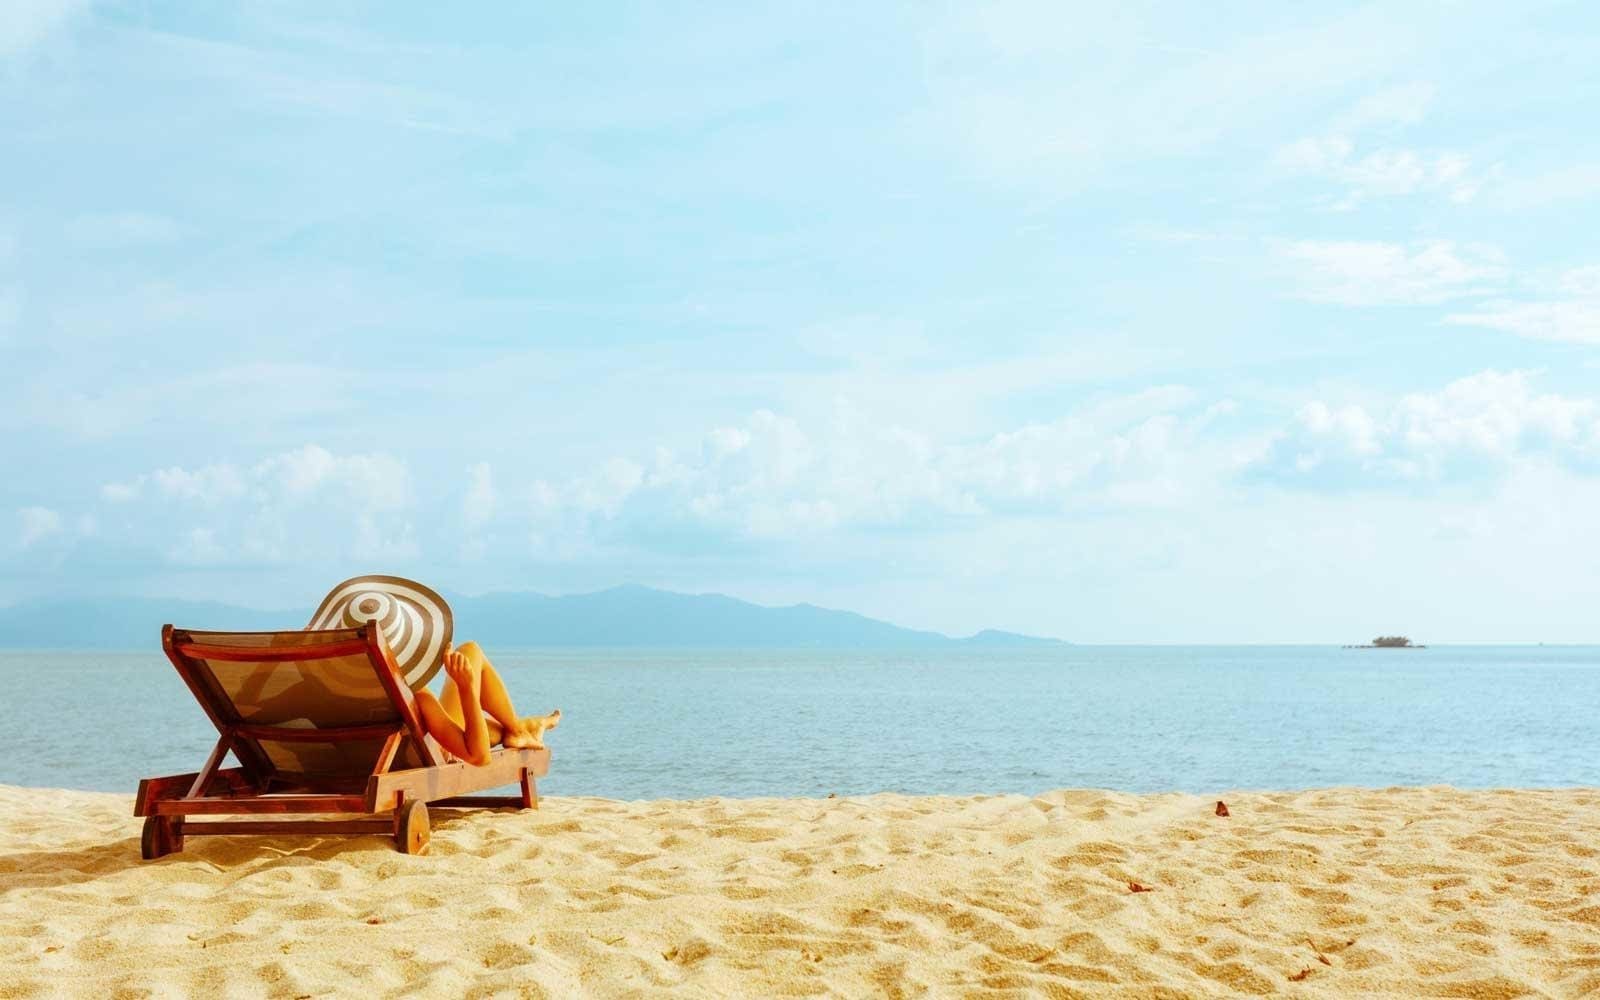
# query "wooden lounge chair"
(320, 722)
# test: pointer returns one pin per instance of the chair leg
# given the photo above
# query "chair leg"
(530, 791)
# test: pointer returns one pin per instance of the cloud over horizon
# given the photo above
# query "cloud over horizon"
(773, 487)
(1474, 427)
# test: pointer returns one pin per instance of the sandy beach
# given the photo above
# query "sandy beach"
(1414, 892)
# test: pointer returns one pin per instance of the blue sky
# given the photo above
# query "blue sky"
(1114, 322)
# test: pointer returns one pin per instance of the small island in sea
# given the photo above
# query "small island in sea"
(1389, 642)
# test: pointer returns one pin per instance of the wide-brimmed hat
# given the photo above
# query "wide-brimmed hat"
(415, 621)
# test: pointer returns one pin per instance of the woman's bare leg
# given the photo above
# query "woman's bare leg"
(496, 701)
(492, 695)
(438, 724)
(464, 732)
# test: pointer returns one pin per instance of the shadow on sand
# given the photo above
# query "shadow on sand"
(234, 856)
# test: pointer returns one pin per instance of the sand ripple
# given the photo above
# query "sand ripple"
(1422, 892)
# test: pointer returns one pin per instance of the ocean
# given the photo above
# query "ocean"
(676, 723)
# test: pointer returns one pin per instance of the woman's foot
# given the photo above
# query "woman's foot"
(529, 733)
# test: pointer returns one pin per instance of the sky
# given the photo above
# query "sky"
(1114, 323)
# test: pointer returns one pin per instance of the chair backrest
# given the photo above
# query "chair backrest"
(304, 708)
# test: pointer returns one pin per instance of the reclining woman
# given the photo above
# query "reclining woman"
(473, 712)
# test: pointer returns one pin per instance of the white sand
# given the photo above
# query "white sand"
(1338, 893)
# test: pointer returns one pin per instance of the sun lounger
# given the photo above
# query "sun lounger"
(320, 723)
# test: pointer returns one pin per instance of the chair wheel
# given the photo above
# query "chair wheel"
(161, 836)
(411, 833)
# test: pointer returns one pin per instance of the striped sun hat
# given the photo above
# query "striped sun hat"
(415, 621)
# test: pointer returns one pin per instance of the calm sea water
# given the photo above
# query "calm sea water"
(686, 724)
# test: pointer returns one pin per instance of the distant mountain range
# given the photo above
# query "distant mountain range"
(622, 616)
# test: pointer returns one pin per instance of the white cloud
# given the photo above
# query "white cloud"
(1574, 320)
(308, 500)
(728, 440)
(775, 478)
(565, 516)
(1364, 273)
(38, 524)
(121, 492)
(819, 489)
(1122, 492)
(26, 23)
(213, 484)
(1472, 426)
(1383, 172)
(365, 482)
(368, 483)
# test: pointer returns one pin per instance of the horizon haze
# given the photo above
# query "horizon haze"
(640, 615)
(628, 615)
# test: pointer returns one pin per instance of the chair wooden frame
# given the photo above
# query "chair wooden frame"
(256, 788)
